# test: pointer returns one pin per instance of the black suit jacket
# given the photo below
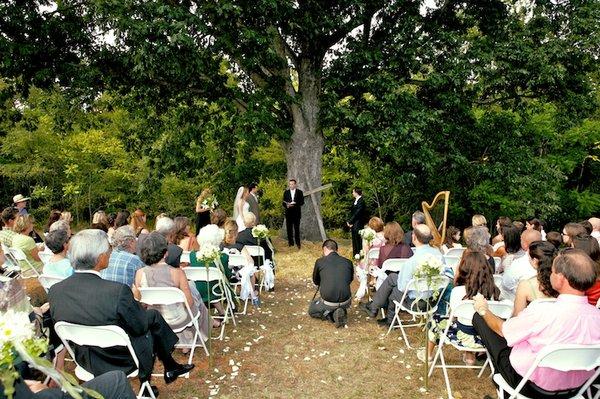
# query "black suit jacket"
(87, 299)
(333, 274)
(295, 211)
(358, 214)
(245, 237)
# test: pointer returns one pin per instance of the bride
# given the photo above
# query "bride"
(240, 207)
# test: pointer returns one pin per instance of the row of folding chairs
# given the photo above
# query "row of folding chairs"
(16, 259)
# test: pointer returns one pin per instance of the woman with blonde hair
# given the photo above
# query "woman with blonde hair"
(362, 272)
(202, 212)
(100, 221)
(478, 220)
(244, 274)
(138, 222)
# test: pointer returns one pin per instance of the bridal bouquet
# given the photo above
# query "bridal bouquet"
(17, 340)
(360, 255)
(367, 234)
(260, 231)
(210, 203)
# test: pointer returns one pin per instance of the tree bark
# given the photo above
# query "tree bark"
(304, 150)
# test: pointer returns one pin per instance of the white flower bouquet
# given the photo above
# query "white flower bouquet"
(208, 253)
(210, 203)
(429, 268)
(360, 255)
(367, 234)
(260, 231)
(17, 340)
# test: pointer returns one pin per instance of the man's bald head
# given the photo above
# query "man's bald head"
(422, 234)
(528, 237)
(595, 223)
(577, 268)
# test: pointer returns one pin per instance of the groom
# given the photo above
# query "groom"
(293, 199)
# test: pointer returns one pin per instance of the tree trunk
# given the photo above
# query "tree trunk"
(304, 151)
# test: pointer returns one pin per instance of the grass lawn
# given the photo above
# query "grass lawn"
(277, 351)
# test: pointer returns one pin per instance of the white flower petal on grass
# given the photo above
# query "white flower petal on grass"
(231, 362)
(306, 359)
(246, 349)
(407, 377)
(235, 368)
(422, 390)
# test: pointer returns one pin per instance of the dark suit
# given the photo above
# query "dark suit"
(333, 274)
(253, 202)
(357, 219)
(87, 299)
(245, 237)
(293, 215)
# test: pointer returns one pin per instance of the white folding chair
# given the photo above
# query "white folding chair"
(452, 262)
(258, 251)
(45, 256)
(497, 263)
(238, 260)
(464, 313)
(154, 296)
(423, 291)
(456, 252)
(103, 337)
(498, 281)
(48, 281)
(393, 265)
(372, 255)
(272, 248)
(562, 357)
(185, 257)
(219, 294)
(20, 256)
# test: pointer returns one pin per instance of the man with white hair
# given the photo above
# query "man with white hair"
(165, 226)
(87, 299)
(245, 236)
(417, 218)
(123, 262)
(595, 222)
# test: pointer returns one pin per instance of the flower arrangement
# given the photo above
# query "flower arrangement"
(17, 340)
(208, 253)
(260, 231)
(367, 234)
(210, 202)
(429, 268)
(360, 255)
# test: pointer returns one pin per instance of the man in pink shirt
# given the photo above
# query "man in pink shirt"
(514, 344)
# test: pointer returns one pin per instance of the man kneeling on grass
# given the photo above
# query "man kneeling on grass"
(333, 274)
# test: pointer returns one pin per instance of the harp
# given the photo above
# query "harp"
(436, 215)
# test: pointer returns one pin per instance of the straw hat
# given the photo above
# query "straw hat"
(19, 198)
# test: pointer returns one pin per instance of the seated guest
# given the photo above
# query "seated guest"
(394, 248)
(159, 274)
(122, 218)
(498, 240)
(535, 224)
(333, 274)
(555, 238)
(520, 268)
(589, 245)
(452, 239)
(519, 225)
(66, 216)
(473, 276)
(85, 298)
(245, 236)
(23, 227)
(541, 256)
(111, 385)
(395, 284)
(211, 235)
(375, 224)
(100, 221)
(123, 262)
(138, 222)
(183, 236)
(60, 225)
(59, 265)
(9, 215)
(514, 344)
(54, 216)
(218, 217)
(587, 226)
(111, 218)
(417, 218)
(478, 240)
(166, 227)
(512, 247)
(478, 220)
(572, 230)
(244, 274)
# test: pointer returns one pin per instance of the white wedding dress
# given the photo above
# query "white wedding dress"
(240, 216)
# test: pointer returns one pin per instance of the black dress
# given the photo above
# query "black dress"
(202, 219)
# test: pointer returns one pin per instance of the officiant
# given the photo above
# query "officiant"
(293, 199)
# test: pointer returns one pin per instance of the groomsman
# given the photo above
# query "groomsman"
(357, 219)
(293, 199)
(253, 201)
